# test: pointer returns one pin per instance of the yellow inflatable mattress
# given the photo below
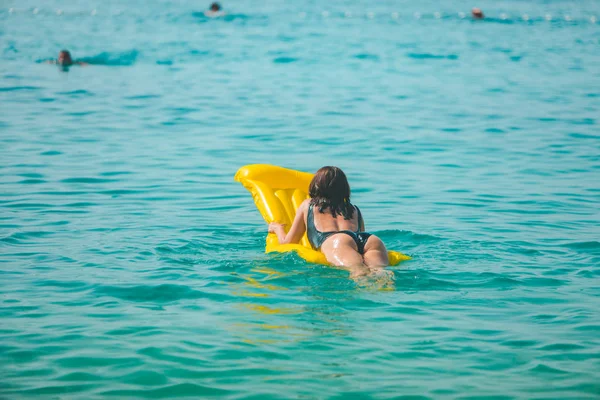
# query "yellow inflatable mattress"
(277, 193)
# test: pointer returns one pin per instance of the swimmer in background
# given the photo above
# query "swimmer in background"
(214, 11)
(335, 227)
(477, 13)
(65, 60)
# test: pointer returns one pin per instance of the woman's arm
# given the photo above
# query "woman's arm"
(296, 231)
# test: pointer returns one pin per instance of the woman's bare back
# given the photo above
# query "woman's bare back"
(325, 222)
(345, 249)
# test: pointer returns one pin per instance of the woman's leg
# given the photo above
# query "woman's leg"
(341, 251)
(375, 256)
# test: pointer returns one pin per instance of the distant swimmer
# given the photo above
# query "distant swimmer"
(477, 13)
(65, 60)
(214, 10)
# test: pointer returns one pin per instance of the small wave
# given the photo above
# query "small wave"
(588, 327)
(407, 310)
(366, 56)
(58, 390)
(178, 390)
(583, 136)
(51, 153)
(284, 60)
(87, 180)
(545, 369)
(89, 361)
(426, 56)
(495, 20)
(32, 181)
(134, 331)
(24, 237)
(18, 88)
(562, 347)
(31, 175)
(592, 247)
(73, 285)
(142, 97)
(112, 59)
(145, 378)
(164, 293)
(32, 206)
(80, 377)
(543, 282)
(520, 343)
(421, 280)
(219, 17)
(77, 93)
(408, 236)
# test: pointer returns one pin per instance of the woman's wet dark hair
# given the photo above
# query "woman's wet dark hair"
(329, 189)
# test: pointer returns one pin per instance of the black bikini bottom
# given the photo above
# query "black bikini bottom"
(359, 237)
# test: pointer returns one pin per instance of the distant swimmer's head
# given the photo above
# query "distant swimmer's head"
(64, 58)
(329, 189)
(477, 13)
(215, 7)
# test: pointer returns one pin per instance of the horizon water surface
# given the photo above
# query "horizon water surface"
(133, 266)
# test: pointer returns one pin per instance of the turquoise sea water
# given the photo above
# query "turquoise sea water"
(132, 265)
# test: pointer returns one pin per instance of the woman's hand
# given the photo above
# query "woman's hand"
(279, 230)
(276, 227)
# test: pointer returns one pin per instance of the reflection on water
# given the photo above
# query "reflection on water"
(328, 296)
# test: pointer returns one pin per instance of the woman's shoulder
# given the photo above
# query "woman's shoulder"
(304, 205)
(303, 208)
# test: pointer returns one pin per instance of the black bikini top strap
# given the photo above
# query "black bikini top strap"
(311, 231)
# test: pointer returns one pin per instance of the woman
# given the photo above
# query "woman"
(335, 226)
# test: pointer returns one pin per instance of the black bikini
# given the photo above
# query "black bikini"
(316, 238)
